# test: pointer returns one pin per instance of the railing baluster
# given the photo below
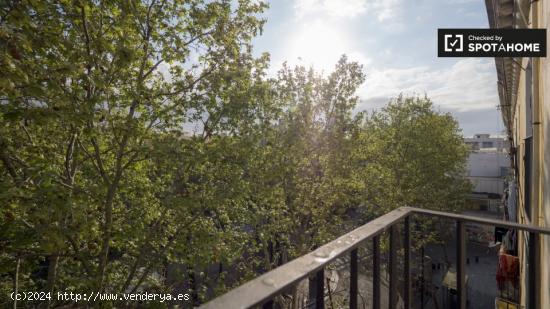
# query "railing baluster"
(460, 264)
(422, 282)
(534, 289)
(407, 245)
(393, 266)
(353, 269)
(376, 272)
(269, 304)
(320, 289)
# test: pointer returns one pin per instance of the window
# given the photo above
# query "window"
(529, 100)
(528, 142)
(528, 174)
(486, 144)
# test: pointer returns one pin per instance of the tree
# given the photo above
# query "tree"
(87, 89)
(412, 155)
(319, 128)
(142, 147)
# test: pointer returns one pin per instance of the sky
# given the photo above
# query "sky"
(396, 41)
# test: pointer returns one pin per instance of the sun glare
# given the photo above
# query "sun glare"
(319, 45)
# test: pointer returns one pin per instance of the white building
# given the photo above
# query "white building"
(484, 141)
(487, 170)
(488, 166)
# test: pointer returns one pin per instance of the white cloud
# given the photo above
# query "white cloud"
(321, 31)
(461, 1)
(470, 84)
(334, 8)
(383, 10)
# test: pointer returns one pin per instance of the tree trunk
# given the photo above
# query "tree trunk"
(193, 286)
(16, 282)
(106, 239)
(53, 261)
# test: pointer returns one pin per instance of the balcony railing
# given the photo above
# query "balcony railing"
(262, 290)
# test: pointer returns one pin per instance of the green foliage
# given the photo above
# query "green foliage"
(142, 147)
(411, 155)
(416, 154)
(93, 94)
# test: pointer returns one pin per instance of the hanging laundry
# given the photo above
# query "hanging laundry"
(507, 271)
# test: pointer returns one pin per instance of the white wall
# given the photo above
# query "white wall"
(487, 184)
(487, 164)
(485, 170)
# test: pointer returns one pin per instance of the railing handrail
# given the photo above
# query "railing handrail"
(266, 286)
(484, 221)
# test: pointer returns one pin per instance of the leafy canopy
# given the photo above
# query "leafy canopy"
(143, 148)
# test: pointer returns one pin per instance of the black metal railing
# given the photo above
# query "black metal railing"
(262, 290)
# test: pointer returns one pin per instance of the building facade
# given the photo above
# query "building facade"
(524, 92)
(486, 141)
(488, 164)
